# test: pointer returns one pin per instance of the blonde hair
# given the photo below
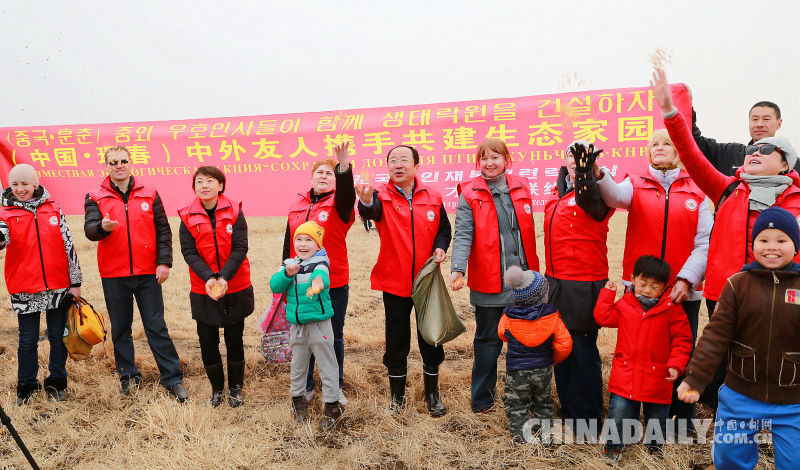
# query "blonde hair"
(663, 135)
(493, 145)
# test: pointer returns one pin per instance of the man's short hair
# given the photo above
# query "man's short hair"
(115, 148)
(413, 152)
(652, 267)
(768, 104)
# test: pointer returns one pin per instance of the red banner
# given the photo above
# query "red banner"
(268, 159)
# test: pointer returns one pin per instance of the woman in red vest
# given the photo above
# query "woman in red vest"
(576, 265)
(42, 273)
(213, 237)
(331, 203)
(494, 230)
(669, 217)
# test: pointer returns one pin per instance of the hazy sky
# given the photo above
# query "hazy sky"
(78, 62)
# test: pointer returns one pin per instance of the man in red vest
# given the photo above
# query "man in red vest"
(413, 225)
(134, 255)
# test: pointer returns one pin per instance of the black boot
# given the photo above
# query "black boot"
(431, 377)
(56, 389)
(397, 387)
(217, 378)
(333, 412)
(300, 409)
(25, 392)
(235, 382)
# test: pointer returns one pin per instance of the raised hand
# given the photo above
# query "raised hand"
(292, 269)
(585, 158)
(342, 156)
(661, 91)
(107, 224)
(364, 192)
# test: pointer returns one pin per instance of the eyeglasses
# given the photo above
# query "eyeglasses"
(402, 161)
(763, 149)
(117, 162)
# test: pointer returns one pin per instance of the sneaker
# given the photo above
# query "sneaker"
(178, 392)
(612, 456)
(342, 400)
(309, 395)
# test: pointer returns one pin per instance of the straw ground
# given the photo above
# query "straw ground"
(99, 428)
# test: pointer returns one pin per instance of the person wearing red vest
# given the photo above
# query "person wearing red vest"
(330, 202)
(765, 179)
(134, 255)
(669, 217)
(413, 225)
(42, 273)
(213, 236)
(500, 205)
(576, 267)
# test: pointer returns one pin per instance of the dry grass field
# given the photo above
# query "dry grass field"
(98, 428)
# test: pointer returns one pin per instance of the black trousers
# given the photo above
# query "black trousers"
(209, 342)
(398, 337)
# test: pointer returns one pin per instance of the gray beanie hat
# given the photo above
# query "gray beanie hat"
(782, 143)
(23, 172)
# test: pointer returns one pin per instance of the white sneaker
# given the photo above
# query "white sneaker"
(309, 395)
(342, 399)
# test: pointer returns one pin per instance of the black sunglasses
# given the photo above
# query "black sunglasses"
(763, 149)
(116, 162)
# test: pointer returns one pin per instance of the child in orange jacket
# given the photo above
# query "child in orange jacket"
(537, 339)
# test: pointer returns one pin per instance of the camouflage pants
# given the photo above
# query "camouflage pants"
(527, 392)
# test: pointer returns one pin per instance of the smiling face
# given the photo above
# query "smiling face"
(118, 165)
(207, 189)
(23, 190)
(759, 164)
(773, 248)
(402, 169)
(649, 287)
(305, 246)
(323, 180)
(492, 164)
(662, 152)
(764, 122)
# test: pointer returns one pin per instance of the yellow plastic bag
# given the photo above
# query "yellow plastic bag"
(437, 321)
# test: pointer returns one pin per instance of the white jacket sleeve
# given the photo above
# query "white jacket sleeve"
(694, 269)
(614, 194)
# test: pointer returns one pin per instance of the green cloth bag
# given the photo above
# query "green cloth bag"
(436, 317)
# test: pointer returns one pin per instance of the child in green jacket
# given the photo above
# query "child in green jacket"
(305, 279)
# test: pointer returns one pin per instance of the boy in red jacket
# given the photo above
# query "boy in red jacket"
(653, 345)
(537, 339)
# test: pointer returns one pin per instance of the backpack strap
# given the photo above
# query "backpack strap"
(725, 194)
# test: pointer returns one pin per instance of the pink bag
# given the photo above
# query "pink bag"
(275, 343)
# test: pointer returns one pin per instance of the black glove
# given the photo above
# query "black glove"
(585, 157)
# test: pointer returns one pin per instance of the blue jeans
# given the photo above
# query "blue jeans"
(579, 379)
(487, 347)
(738, 411)
(119, 293)
(339, 299)
(27, 349)
(621, 408)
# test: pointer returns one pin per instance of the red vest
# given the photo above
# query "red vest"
(483, 269)
(730, 246)
(36, 259)
(214, 243)
(406, 238)
(335, 240)
(648, 215)
(574, 242)
(130, 249)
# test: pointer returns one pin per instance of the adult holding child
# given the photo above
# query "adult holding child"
(413, 225)
(42, 274)
(765, 179)
(213, 236)
(330, 202)
(576, 267)
(134, 256)
(500, 204)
